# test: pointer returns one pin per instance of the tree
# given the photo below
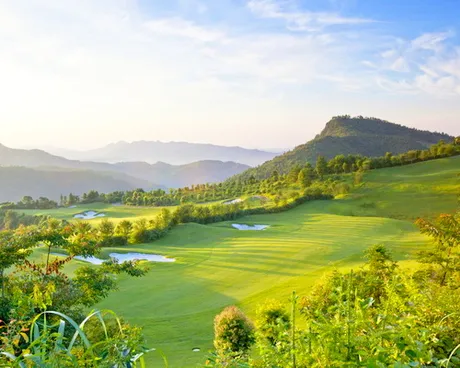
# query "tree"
(272, 321)
(380, 261)
(10, 220)
(14, 249)
(321, 166)
(106, 229)
(140, 234)
(124, 228)
(27, 201)
(233, 332)
(367, 165)
(305, 177)
(294, 174)
(51, 235)
(388, 157)
(445, 256)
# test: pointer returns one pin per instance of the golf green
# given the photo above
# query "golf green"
(218, 265)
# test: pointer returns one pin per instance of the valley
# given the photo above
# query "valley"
(217, 265)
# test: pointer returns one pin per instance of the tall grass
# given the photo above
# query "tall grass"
(56, 340)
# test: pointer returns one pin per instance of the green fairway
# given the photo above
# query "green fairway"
(115, 213)
(424, 189)
(218, 265)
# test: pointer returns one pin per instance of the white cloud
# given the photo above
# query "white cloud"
(298, 20)
(84, 69)
(446, 85)
(400, 65)
(430, 41)
(184, 28)
(428, 63)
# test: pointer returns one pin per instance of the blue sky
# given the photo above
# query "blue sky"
(255, 73)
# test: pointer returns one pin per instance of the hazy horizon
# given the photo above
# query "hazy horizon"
(52, 148)
(254, 73)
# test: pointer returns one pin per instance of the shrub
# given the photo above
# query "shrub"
(272, 321)
(233, 331)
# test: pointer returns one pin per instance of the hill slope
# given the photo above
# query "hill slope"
(219, 266)
(16, 182)
(173, 176)
(345, 135)
(163, 174)
(174, 153)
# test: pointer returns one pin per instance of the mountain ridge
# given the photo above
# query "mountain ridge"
(174, 153)
(51, 182)
(349, 135)
(136, 174)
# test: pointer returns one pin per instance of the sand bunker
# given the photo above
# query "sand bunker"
(123, 257)
(238, 200)
(89, 215)
(196, 350)
(260, 197)
(249, 227)
(72, 206)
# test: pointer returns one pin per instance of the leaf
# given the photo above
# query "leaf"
(61, 330)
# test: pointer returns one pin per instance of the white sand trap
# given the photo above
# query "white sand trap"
(196, 350)
(238, 200)
(249, 227)
(89, 215)
(123, 257)
(72, 207)
(262, 198)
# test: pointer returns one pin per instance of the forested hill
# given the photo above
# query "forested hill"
(150, 176)
(17, 182)
(345, 135)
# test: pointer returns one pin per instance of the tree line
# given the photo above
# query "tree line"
(142, 230)
(274, 185)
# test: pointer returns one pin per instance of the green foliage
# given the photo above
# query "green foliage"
(35, 287)
(445, 257)
(321, 166)
(306, 176)
(56, 340)
(11, 220)
(380, 316)
(233, 333)
(140, 233)
(106, 229)
(272, 321)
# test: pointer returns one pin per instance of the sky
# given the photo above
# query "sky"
(80, 74)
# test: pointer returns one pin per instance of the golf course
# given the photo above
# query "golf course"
(218, 265)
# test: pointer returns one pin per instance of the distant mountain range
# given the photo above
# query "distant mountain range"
(16, 182)
(39, 173)
(174, 153)
(56, 175)
(346, 135)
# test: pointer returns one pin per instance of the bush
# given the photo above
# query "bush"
(272, 321)
(233, 331)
